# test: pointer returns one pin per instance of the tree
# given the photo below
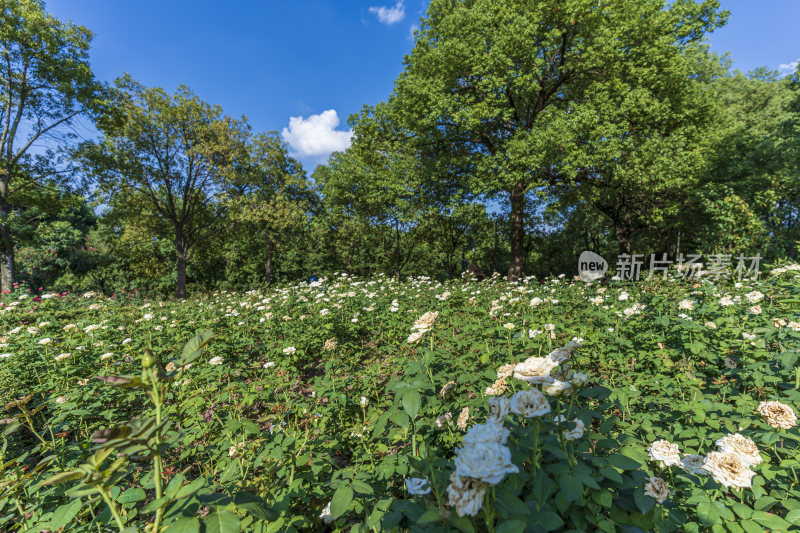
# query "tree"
(269, 201)
(45, 85)
(654, 125)
(174, 152)
(755, 170)
(378, 181)
(498, 87)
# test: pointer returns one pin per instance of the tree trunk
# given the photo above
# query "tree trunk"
(515, 269)
(268, 268)
(350, 255)
(624, 232)
(180, 289)
(180, 249)
(7, 244)
(6, 251)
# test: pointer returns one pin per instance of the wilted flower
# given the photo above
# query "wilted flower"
(326, 515)
(498, 387)
(571, 434)
(742, 446)
(442, 420)
(529, 403)
(62, 356)
(463, 417)
(657, 489)
(756, 310)
(728, 469)
(498, 409)
(234, 450)
(505, 371)
(557, 388)
(418, 486)
(730, 362)
(754, 297)
(666, 453)
(330, 344)
(777, 414)
(710, 325)
(535, 370)
(465, 494)
(578, 379)
(414, 337)
(426, 322)
(446, 388)
(686, 304)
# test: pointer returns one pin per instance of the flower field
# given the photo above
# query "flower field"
(372, 405)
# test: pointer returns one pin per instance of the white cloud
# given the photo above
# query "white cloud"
(316, 135)
(411, 31)
(389, 15)
(789, 68)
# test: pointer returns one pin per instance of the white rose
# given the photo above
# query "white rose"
(488, 462)
(529, 403)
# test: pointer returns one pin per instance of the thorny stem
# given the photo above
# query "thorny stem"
(113, 508)
(157, 465)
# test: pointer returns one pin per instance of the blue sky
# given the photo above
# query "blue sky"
(321, 60)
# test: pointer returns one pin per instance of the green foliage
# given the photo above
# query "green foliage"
(45, 85)
(309, 395)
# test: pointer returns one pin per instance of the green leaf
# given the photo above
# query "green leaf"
(135, 494)
(708, 513)
(361, 487)
(222, 522)
(571, 487)
(548, 521)
(64, 513)
(341, 501)
(184, 525)
(412, 402)
(643, 502)
(771, 521)
(254, 505)
(623, 462)
(511, 526)
(462, 523)
(793, 517)
(193, 349)
(174, 485)
(63, 477)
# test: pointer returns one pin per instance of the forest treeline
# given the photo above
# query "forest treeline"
(519, 133)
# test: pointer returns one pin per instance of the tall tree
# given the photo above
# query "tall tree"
(174, 151)
(269, 201)
(45, 85)
(499, 85)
